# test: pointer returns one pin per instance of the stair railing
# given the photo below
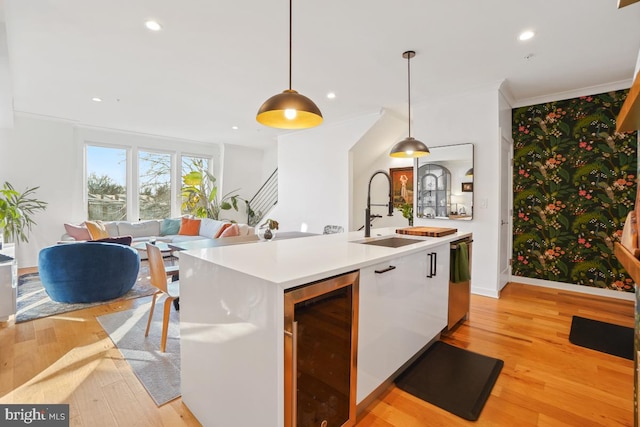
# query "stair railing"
(264, 199)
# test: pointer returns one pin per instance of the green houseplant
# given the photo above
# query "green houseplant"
(17, 211)
(407, 212)
(200, 196)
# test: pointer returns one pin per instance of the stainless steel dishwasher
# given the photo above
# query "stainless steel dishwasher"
(459, 292)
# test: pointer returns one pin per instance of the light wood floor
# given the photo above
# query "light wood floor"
(546, 381)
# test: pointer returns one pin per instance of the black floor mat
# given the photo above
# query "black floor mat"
(454, 379)
(601, 336)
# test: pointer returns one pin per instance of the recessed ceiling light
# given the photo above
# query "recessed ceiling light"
(526, 35)
(153, 25)
(331, 95)
(234, 127)
(96, 99)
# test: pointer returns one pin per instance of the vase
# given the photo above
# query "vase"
(265, 233)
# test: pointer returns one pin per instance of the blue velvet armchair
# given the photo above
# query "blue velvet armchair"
(88, 271)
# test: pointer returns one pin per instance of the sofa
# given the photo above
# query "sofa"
(88, 271)
(162, 230)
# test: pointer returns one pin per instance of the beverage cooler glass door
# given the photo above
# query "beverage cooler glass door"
(320, 346)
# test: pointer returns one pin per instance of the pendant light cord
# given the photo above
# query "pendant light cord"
(409, 89)
(290, 40)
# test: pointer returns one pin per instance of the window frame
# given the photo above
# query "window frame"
(132, 179)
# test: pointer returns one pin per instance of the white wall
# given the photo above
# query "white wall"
(470, 117)
(6, 87)
(43, 153)
(242, 170)
(370, 154)
(49, 154)
(269, 162)
(314, 175)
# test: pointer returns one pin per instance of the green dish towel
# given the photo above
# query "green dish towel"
(460, 263)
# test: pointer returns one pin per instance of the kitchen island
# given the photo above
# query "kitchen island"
(232, 311)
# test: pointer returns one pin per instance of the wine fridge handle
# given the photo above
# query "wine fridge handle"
(294, 376)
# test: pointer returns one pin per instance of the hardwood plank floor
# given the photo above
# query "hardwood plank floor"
(546, 381)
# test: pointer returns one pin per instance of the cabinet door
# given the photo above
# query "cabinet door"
(400, 311)
(437, 300)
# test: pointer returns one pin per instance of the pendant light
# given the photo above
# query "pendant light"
(469, 172)
(289, 109)
(409, 147)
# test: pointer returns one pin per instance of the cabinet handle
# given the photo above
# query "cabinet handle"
(391, 267)
(433, 259)
(435, 263)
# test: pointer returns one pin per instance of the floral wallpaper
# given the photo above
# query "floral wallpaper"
(574, 183)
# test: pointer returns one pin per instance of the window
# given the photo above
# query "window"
(114, 195)
(106, 183)
(192, 164)
(155, 185)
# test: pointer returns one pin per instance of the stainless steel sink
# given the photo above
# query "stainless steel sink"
(391, 242)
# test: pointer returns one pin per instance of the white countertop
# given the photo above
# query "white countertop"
(293, 262)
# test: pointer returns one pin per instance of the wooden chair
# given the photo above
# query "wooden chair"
(160, 280)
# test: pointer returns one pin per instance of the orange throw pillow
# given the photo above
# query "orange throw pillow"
(222, 229)
(189, 227)
(231, 231)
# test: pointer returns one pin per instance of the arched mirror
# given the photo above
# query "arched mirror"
(445, 183)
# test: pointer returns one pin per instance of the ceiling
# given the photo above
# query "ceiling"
(215, 62)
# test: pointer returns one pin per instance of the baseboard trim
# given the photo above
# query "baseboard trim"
(493, 293)
(627, 296)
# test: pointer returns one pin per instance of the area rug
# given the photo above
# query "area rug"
(33, 301)
(601, 336)
(454, 379)
(158, 372)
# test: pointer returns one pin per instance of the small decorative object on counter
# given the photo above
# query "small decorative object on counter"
(267, 231)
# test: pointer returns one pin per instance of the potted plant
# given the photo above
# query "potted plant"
(200, 195)
(407, 212)
(16, 213)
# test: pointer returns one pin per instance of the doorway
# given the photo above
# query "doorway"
(506, 210)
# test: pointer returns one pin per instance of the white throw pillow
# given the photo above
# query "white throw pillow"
(139, 229)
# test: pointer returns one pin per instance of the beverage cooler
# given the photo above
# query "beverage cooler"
(320, 345)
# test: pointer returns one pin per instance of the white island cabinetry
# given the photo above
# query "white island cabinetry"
(401, 310)
(232, 316)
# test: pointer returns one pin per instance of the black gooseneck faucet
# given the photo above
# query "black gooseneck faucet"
(367, 212)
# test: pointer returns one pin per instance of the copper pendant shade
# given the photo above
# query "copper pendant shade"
(409, 147)
(289, 109)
